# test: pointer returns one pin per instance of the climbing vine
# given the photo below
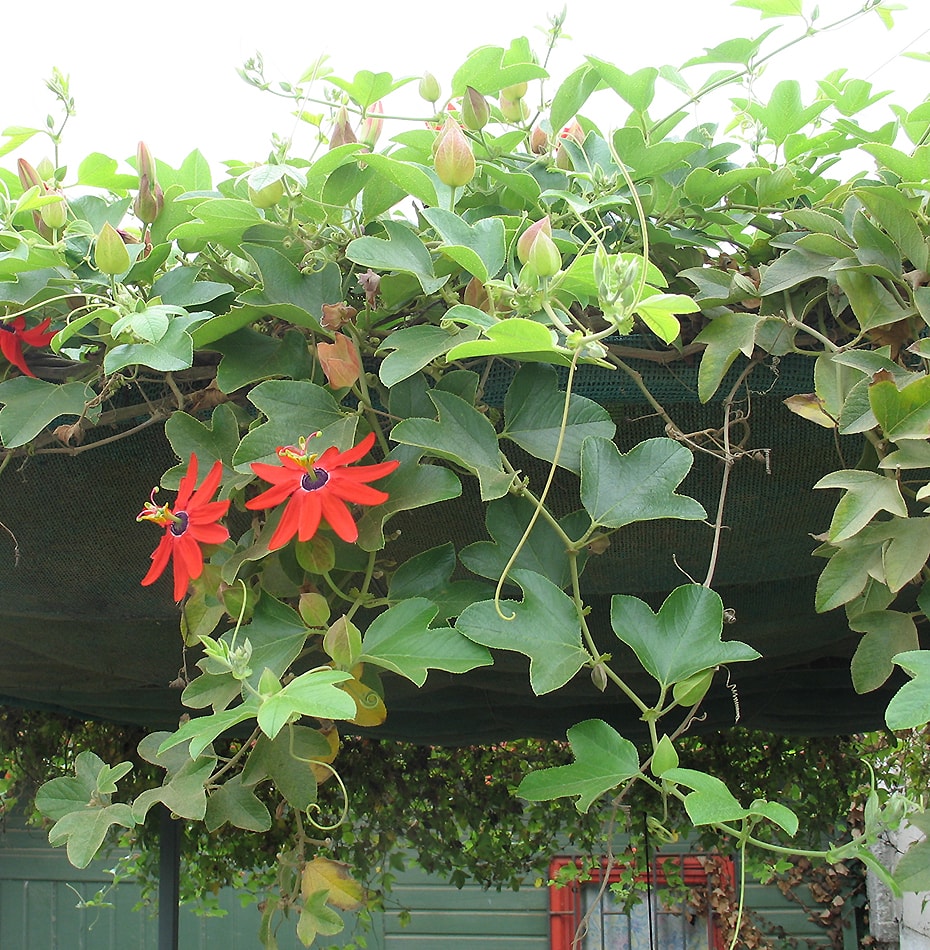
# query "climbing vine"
(344, 344)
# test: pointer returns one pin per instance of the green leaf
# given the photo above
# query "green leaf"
(429, 575)
(289, 293)
(490, 69)
(652, 160)
(571, 95)
(888, 207)
(867, 493)
(711, 801)
(887, 633)
(773, 8)
(910, 706)
(902, 413)
(516, 338)
(85, 831)
(637, 89)
(603, 760)
(293, 408)
(407, 176)
(367, 87)
(410, 349)
(706, 187)
(907, 550)
(792, 268)
(221, 221)
(777, 813)
(250, 356)
(462, 435)
(61, 796)
(682, 639)
(846, 574)
(216, 441)
(533, 411)
(912, 872)
(478, 248)
(183, 791)
(314, 693)
(618, 489)
(543, 551)
(31, 404)
(410, 486)
(173, 352)
(908, 167)
(872, 304)
(784, 113)
(402, 251)
(544, 627)
(287, 761)
(726, 337)
(402, 640)
(99, 171)
(202, 730)
(236, 804)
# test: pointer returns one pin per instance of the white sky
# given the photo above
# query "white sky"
(165, 72)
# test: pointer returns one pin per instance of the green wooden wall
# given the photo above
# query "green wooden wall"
(39, 891)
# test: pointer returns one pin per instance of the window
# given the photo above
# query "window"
(652, 923)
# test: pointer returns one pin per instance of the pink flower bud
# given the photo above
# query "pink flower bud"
(110, 254)
(342, 133)
(150, 198)
(525, 242)
(429, 88)
(55, 216)
(337, 315)
(28, 176)
(573, 131)
(475, 110)
(544, 257)
(370, 282)
(453, 159)
(539, 141)
(372, 124)
(340, 361)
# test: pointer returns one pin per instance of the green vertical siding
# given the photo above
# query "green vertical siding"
(39, 891)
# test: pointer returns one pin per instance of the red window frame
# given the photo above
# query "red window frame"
(565, 903)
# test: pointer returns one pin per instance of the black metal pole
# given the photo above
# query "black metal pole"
(169, 880)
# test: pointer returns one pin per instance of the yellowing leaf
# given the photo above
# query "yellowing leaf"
(371, 708)
(321, 874)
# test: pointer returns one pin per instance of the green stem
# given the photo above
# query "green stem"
(363, 589)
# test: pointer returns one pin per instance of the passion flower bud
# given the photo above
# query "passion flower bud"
(574, 132)
(525, 242)
(28, 176)
(513, 110)
(337, 315)
(476, 295)
(268, 195)
(544, 257)
(539, 141)
(55, 215)
(342, 133)
(372, 124)
(340, 361)
(453, 160)
(514, 92)
(429, 88)
(150, 198)
(110, 254)
(475, 110)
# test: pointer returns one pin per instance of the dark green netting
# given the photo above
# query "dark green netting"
(79, 634)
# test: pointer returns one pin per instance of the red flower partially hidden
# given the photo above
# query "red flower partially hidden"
(192, 522)
(13, 334)
(318, 489)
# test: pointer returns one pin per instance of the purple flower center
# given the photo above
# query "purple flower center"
(8, 329)
(180, 526)
(314, 480)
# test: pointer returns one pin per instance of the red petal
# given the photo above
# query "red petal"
(271, 498)
(159, 559)
(331, 458)
(208, 489)
(287, 526)
(276, 474)
(12, 349)
(353, 491)
(206, 514)
(338, 517)
(187, 484)
(311, 511)
(209, 533)
(369, 473)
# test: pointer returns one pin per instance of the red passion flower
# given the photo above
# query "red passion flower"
(317, 488)
(13, 334)
(192, 522)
